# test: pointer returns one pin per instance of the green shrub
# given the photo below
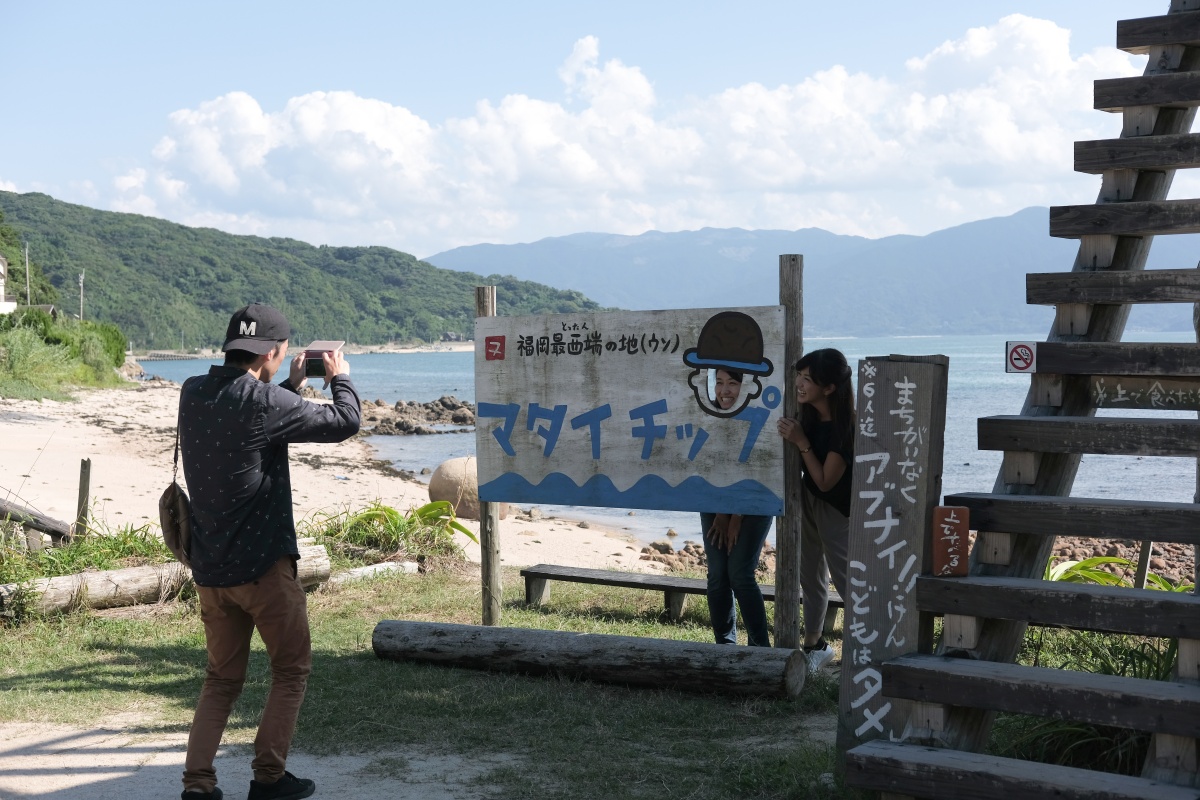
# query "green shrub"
(39, 357)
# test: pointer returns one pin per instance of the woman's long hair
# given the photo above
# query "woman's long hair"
(828, 367)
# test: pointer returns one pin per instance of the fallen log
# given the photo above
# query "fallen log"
(629, 660)
(28, 518)
(134, 585)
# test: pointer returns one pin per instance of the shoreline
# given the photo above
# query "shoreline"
(129, 436)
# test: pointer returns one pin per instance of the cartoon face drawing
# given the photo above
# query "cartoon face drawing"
(730, 341)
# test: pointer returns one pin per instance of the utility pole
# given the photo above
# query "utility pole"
(27, 301)
(81, 295)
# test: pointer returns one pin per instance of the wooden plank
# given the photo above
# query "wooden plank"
(1143, 612)
(1112, 287)
(1081, 516)
(1136, 218)
(1140, 35)
(940, 773)
(28, 518)
(1122, 436)
(1131, 703)
(1177, 151)
(639, 580)
(1145, 393)
(1119, 358)
(628, 580)
(1165, 90)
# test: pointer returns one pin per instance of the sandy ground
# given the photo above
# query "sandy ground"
(129, 436)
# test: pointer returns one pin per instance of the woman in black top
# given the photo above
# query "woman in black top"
(825, 437)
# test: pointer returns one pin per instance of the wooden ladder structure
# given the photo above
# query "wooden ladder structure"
(956, 694)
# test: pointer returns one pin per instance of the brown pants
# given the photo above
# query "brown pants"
(276, 606)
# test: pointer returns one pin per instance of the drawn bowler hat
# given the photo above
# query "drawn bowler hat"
(730, 340)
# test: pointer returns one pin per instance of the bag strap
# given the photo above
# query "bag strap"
(175, 472)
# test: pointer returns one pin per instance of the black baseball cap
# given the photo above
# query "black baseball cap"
(256, 329)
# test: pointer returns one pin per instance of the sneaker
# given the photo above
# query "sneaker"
(289, 787)
(818, 655)
(192, 794)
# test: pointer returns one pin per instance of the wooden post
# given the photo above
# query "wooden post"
(896, 487)
(789, 624)
(81, 509)
(489, 513)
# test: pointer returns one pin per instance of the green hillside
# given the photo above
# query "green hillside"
(165, 283)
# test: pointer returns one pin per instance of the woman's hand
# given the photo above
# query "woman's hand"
(731, 531)
(715, 535)
(791, 431)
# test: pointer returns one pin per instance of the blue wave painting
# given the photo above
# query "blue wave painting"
(651, 491)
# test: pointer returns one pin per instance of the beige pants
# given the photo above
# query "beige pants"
(824, 546)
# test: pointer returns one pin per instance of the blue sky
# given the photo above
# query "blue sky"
(427, 126)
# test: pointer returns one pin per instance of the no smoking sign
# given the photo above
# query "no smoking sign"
(1020, 357)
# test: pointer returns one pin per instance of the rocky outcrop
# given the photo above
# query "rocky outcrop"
(690, 558)
(412, 417)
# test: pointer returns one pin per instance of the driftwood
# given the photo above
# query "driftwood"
(28, 518)
(134, 585)
(630, 660)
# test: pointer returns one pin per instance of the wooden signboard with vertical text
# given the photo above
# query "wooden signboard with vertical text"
(897, 483)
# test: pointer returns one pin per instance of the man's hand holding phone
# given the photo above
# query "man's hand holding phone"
(324, 359)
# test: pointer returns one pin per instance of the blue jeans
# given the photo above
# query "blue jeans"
(731, 575)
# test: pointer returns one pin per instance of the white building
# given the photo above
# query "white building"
(7, 305)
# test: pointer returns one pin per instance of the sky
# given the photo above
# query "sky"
(426, 126)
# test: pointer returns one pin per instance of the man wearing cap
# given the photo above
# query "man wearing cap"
(234, 429)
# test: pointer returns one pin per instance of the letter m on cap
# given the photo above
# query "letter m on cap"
(246, 328)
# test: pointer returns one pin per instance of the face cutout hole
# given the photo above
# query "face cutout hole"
(724, 388)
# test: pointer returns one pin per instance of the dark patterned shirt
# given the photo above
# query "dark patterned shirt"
(233, 436)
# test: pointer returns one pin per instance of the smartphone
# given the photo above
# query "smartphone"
(314, 362)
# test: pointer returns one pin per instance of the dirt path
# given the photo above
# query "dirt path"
(54, 762)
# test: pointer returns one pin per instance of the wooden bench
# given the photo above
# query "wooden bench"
(675, 590)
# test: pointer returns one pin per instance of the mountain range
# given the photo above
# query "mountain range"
(167, 284)
(965, 279)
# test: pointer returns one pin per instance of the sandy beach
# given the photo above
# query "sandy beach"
(128, 434)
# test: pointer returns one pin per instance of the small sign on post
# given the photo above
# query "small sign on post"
(951, 532)
(1020, 357)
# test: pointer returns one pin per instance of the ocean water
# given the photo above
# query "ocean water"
(978, 386)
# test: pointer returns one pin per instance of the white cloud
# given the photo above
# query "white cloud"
(7, 186)
(981, 125)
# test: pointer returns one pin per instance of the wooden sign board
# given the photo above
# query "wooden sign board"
(896, 485)
(1165, 394)
(617, 409)
(951, 532)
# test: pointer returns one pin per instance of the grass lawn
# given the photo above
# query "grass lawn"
(538, 737)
